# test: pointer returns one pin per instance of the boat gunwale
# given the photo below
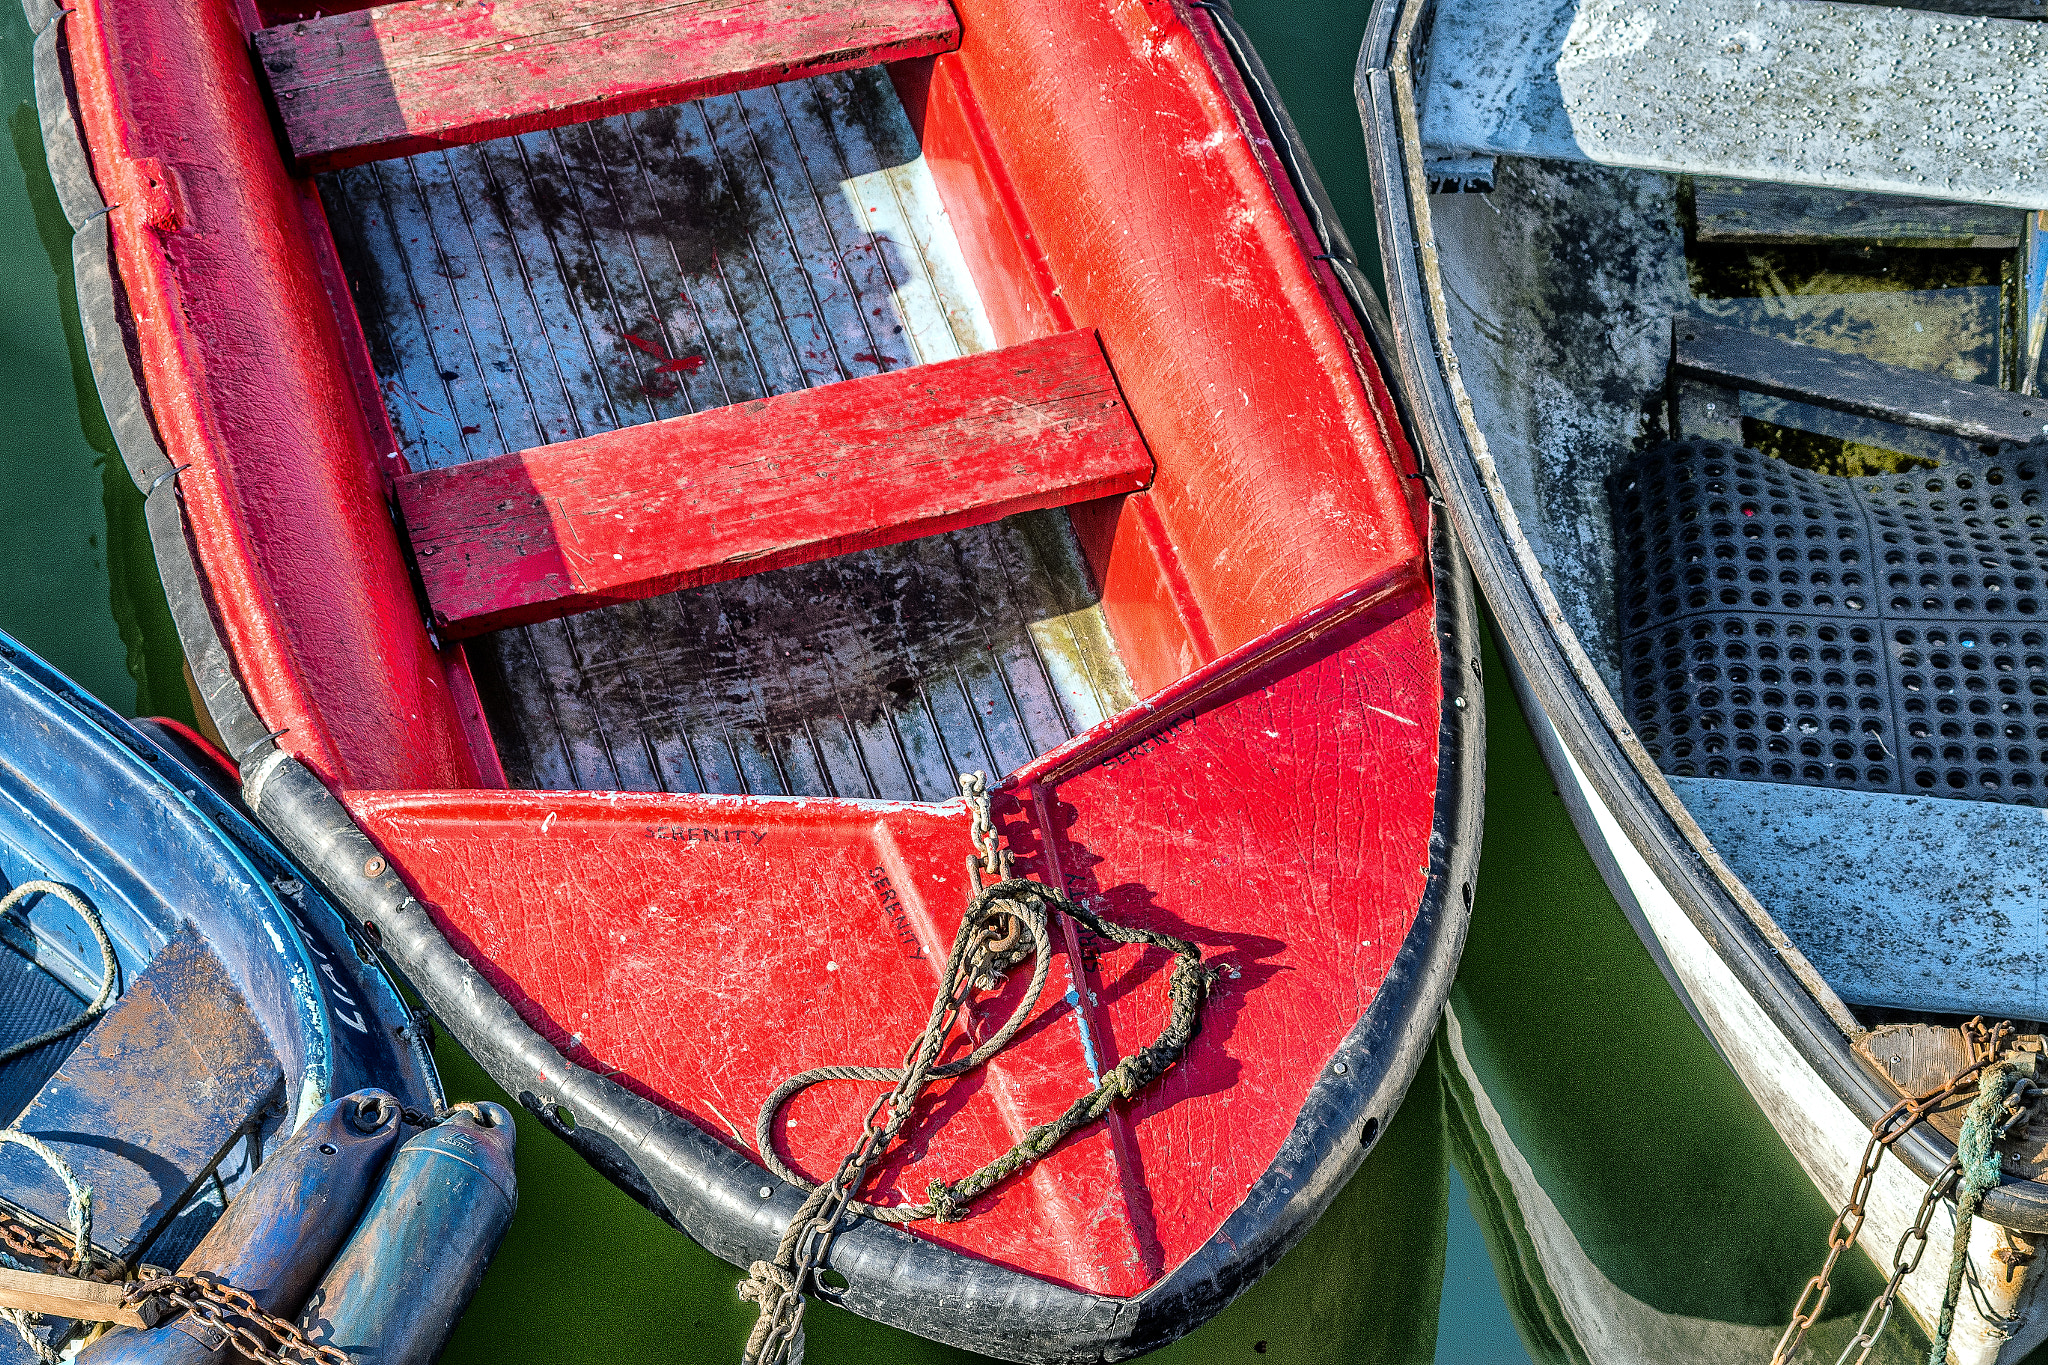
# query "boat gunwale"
(1552, 669)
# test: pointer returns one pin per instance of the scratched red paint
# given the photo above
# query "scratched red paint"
(538, 534)
(406, 77)
(1281, 823)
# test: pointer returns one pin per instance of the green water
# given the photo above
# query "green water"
(1664, 1170)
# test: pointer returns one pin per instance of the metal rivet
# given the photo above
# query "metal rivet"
(767, 1192)
(373, 867)
(1458, 702)
(1342, 1068)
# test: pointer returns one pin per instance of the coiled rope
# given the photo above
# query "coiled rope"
(991, 938)
(77, 1192)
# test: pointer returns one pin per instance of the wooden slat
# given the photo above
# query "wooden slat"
(405, 78)
(1789, 215)
(1751, 362)
(60, 1297)
(736, 490)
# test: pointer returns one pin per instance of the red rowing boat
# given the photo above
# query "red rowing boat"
(615, 465)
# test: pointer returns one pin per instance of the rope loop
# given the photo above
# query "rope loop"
(78, 1192)
(1007, 920)
(110, 973)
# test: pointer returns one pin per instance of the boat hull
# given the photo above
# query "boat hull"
(360, 736)
(1820, 1129)
(1736, 973)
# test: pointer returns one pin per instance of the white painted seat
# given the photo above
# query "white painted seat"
(1804, 92)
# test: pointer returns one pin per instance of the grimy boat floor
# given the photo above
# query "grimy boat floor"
(560, 284)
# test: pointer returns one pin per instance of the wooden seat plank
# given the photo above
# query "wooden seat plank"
(177, 1068)
(1729, 360)
(1799, 215)
(405, 78)
(650, 509)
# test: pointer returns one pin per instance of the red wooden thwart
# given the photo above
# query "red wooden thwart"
(405, 78)
(649, 509)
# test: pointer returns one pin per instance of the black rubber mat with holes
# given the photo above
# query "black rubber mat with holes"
(1871, 634)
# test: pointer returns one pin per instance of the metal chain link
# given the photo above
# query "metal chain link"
(1905, 1259)
(257, 1335)
(22, 1239)
(1986, 1042)
(995, 859)
(778, 1286)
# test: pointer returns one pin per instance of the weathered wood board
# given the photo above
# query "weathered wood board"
(1869, 98)
(404, 78)
(1797, 215)
(1731, 358)
(176, 1067)
(61, 1297)
(646, 510)
(1910, 902)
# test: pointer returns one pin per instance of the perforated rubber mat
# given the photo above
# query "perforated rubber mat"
(1871, 634)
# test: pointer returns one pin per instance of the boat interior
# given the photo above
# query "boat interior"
(165, 1007)
(806, 294)
(1770, 422)
(823, 415)
(549, 287)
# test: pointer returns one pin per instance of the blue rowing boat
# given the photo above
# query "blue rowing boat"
(177, 999)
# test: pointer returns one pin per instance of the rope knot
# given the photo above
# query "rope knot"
(766, 1283)
(778, 1332)
(945, 1207)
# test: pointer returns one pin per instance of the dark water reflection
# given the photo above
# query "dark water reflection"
(1575, 1175)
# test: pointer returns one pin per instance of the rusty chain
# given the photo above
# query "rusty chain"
(235, 1319)
(1905, 1259)
(1986, 1042)
(232, 1315)
(18, 1238)
(995, 859)
(777, 1287)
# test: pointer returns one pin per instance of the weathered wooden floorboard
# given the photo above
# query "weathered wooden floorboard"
(613, 251)
(758, 485)
(1791, 215)
(405, 78)
(1753, 363)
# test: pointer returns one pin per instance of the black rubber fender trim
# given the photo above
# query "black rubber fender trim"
(714, 1193)
(107, 347)
(39, 13)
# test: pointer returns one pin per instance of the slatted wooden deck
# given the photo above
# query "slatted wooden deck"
(564, 283)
